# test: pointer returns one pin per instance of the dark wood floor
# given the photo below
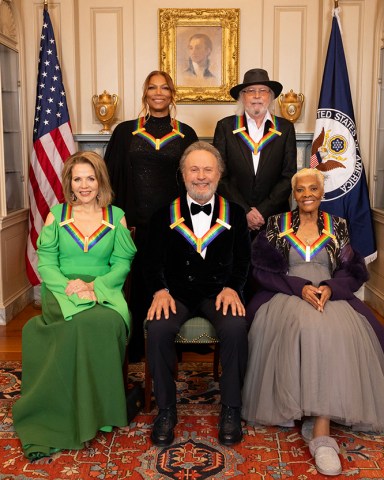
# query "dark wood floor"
(10, 338)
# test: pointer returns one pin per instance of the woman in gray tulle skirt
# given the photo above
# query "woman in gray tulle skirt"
(314, 348)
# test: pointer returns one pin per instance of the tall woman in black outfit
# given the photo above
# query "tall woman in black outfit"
(143, 159)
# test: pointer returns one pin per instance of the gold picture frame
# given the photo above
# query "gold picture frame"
(199, 48)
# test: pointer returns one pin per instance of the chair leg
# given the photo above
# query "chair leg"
(216, 361)
(147, 384)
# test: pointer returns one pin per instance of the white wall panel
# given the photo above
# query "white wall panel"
(106, 31)
(290, 53)
(290, 56)
(105, 57)
(106, 60)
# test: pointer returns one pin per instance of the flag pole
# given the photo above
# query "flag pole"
(46, 5)
(335, 13)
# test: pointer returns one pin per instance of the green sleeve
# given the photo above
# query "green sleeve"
(48, 253)
(124, 250)
(49, 270)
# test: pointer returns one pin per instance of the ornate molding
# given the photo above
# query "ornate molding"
(7, 22)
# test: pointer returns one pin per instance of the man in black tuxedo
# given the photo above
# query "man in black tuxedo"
(258, 149)
(196, 264)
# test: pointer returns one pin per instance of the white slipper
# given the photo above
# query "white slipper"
(288, 424)
(325, 451)
(307, 429)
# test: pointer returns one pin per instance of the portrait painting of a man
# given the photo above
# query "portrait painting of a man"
(198, 56)
(199, 48)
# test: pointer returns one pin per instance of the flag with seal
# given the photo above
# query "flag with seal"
(336, 152)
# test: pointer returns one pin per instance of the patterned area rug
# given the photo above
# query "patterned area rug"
(265, 453)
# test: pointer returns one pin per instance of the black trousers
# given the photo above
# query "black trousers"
(233, 335)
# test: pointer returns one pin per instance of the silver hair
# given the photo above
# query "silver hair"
(308, 172)
(207, 147)
(240, 104)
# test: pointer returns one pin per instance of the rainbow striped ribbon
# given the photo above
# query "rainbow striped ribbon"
(255, 147)
(158, 142)
(199, 244)
(84, 242)
(307, 252)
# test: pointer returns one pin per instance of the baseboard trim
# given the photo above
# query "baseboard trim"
(15, 306)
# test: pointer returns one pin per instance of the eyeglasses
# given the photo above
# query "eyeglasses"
(262, 92)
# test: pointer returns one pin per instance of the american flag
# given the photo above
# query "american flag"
(52, 143)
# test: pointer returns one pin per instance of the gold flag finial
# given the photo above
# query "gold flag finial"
(336, 3)
(46, 5)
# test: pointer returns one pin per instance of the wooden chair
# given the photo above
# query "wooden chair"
(127, 293)
(196, 330)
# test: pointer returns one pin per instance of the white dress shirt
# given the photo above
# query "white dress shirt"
(201, 222)
(256, 134)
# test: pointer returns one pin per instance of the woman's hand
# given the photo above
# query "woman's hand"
(76, 286)
(87, 295)
(325, 295)
(316, 296)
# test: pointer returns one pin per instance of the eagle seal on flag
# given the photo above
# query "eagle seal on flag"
(335, 152)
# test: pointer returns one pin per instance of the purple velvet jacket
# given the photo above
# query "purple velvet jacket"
(270, 270)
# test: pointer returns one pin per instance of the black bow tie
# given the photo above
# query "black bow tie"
(196, 208)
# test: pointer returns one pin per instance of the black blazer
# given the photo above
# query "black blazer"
(171, 262)
(269, 190)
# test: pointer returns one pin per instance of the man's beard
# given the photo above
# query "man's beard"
(202, 196)
(256, 110)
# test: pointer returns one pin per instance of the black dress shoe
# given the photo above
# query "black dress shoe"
(162, 433)
(230, 430)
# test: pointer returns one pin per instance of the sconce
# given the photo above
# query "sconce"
(291, 104)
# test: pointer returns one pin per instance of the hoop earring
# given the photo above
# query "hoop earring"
(73, 197)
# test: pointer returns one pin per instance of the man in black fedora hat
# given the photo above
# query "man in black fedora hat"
(259, 151)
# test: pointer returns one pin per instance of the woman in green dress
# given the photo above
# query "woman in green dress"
(72, 383)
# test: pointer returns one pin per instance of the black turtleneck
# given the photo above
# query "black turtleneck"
(143, 178)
